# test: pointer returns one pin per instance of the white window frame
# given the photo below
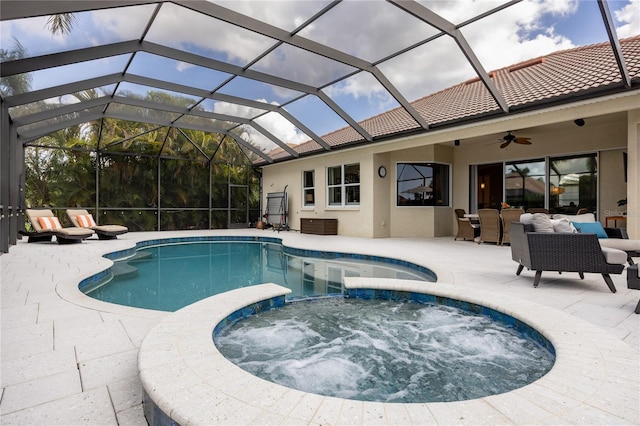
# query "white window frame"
(342, 186)
(306, 189)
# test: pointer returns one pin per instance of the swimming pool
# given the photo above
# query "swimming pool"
(168, 275)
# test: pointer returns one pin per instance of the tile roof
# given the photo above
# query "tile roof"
(559, 76)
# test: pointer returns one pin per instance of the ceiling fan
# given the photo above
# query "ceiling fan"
(508, 138)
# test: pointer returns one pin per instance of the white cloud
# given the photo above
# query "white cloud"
(284, 14)
(182, 66)
(281, 128)
(504, 38)
(182, 28)
(273, 122)
(362, 85)
(629, 17)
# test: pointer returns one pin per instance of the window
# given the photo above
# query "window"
(422, 184)
(343, 185)
(573, 183)
(524, 184)
(308, 189)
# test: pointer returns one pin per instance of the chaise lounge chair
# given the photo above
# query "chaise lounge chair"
(83, 219)
(46, 225)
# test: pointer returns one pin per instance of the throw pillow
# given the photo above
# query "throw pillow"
(526, 218)
(590, 228)
(563, 225)
(85, 221)
(49, 222)
(542, 223)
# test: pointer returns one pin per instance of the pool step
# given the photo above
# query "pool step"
(122, 270)
(140, 256)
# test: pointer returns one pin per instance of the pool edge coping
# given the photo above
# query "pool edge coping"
(190, 381)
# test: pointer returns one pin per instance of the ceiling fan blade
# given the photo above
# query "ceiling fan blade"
(505, 144)
(523, 141)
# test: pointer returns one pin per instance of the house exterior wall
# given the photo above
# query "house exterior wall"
(612, 126)
(633, 174)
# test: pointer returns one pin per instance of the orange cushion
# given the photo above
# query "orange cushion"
(49, 222)
(85, 220)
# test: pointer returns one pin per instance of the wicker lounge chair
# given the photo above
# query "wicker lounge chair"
(489, 226)
(467, 229)
(82, 219)
(46, 225)
(508, 216)
(633, 282)
(563, 252)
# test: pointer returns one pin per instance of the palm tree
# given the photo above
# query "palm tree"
(17, 83)
(61, 23)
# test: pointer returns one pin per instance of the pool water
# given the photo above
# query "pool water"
(169, 277)
(384, 351)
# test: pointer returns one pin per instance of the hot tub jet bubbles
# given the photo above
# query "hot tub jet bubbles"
(384, 351)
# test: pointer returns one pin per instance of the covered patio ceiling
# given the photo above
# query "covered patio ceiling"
(270, 75)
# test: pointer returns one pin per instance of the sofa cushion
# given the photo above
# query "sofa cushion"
(614, 256)
(621, 244)
(542, 223)
(590, 228)
(586, 217)
(526, 218)
(563, 225)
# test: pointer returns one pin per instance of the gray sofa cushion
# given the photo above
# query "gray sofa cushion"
(586, 217)
(614, 256)
(621, 244)
(542, 223)
(563, 225)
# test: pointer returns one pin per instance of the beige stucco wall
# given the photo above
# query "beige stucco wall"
(609, 130)
(356, 221)
(633, 174)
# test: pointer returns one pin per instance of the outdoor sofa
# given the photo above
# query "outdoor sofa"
(615, 238)
(46, 225)
(563, 252)
(81, 218)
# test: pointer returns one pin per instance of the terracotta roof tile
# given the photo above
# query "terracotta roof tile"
(559, 74)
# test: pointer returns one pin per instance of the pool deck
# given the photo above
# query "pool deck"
(68, 359)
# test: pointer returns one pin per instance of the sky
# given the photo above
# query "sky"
(369, 30)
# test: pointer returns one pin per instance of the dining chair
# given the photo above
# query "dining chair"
(508, 216)
(490, 225)
(467, 230)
